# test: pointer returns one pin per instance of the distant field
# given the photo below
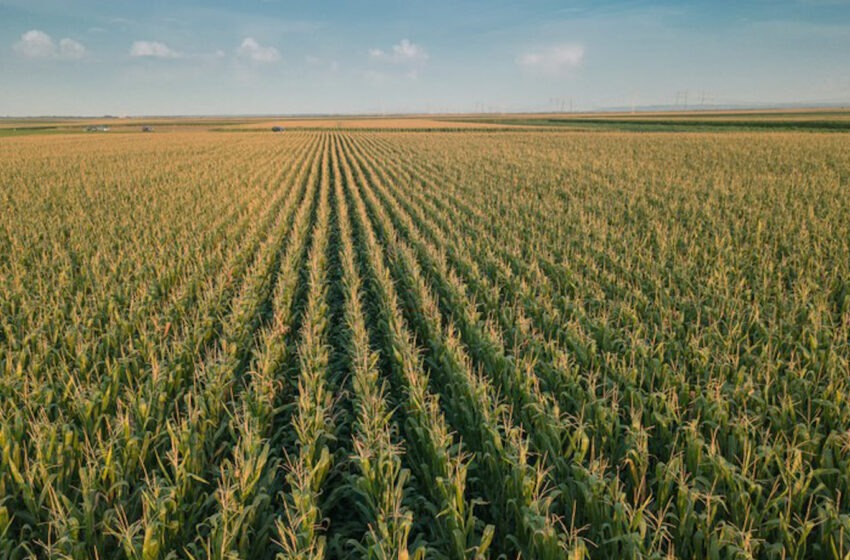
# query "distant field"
(823, 120)
(529, 341)
(12, 127)
(695, 121)
(383, 123)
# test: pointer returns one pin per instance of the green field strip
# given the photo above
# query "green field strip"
(380, 482)
(242, 520)
(527, 524)
(300, 530)
(202, 434)
(338, 502)
(661, 124)
(436, 458)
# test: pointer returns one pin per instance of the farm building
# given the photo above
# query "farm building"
(278, 129)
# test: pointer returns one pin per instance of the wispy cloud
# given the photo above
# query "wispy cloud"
(71, 49)
(152, 49)
(38, 44)
(403, 52)
(557, 60)
(253, 50)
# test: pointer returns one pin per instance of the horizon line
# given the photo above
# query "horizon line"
(660, 108)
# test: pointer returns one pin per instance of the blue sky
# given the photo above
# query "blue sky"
(122, 57)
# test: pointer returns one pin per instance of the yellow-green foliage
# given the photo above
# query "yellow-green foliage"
(390, 345)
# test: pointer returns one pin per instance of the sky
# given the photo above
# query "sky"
(192, 57)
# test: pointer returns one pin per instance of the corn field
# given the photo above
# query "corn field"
(395, 345)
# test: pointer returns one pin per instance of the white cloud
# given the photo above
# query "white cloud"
(38, 44)
(35, 44)
(554, 61)
(403, 52)
(251, 49)
(152, 49)
(71, 49)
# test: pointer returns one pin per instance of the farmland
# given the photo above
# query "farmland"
(537, 343)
